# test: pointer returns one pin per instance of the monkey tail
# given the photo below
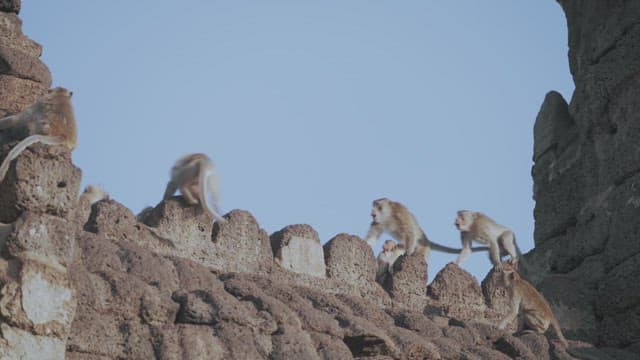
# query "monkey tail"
(479, 248)
(29, 140)
(556, 328)
(10, 121)
(207, 181)
(442, 248)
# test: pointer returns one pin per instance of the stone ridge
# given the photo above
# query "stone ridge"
(90, 281)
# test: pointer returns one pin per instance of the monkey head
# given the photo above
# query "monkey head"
(59, 91)
(389, 245)
(464, 220)
(508, 276)
(381, 210)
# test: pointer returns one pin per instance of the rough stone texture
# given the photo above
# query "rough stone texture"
(587, 179)
(23, 77)
(20, 64)
(297, 248)
(10, 6)
(349, 259)
(42, 180)
(12, 36)
(458, 292)
(18, 93)
(407, 282)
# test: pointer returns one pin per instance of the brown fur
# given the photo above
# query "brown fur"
(525, 299)
(476, 226)
(49, 120)
(195, 176)
(387, 257)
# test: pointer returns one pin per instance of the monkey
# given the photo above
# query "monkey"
(195, 176)
(474, 225)
(527, 300)
(395, 218)
(92, 194)
(144, 214)
(89, 196)
(387, 257)
(50, 120)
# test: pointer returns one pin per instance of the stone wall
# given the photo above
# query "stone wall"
(94, 281)
(587, 178)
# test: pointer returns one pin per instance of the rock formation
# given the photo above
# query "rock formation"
(93, 281)
(587, 179)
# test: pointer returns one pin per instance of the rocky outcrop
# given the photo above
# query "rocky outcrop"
(23, 77)
(297, 248)
(587, 179)
(90, 281)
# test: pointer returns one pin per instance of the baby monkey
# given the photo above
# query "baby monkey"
(387, 257)
(527, 300)
(50, 120)
(474, 225)
(195, 176)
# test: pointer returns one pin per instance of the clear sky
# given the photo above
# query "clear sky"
(311, 110)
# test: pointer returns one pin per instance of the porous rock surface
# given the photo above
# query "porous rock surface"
(587, 179)
(93, 281)
(90, 281)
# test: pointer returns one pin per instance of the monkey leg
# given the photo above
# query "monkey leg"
(508, 243)
(494, 255)
(188, 195)
(536, 322)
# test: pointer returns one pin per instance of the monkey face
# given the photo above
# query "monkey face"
(463, 220)
(379, 210)
(388, 245)
(59, 91)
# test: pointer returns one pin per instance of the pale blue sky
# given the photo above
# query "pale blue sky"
(311, 110)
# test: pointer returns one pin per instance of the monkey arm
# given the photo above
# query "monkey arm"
(515, 307)
(466, 247)
(374, 233)
(170, 190)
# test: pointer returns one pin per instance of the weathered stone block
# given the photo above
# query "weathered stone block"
(552, 124)
(237, 245)
(11, 35)
(184, 224)
(458, 293)
(24, 345)
(348, 258)
(44, 235)
(41, 180)
(18, 93)
(407, 282)
(297, 248)
(10, 6)
(47, 298)
(241, 245)
(22, 65)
